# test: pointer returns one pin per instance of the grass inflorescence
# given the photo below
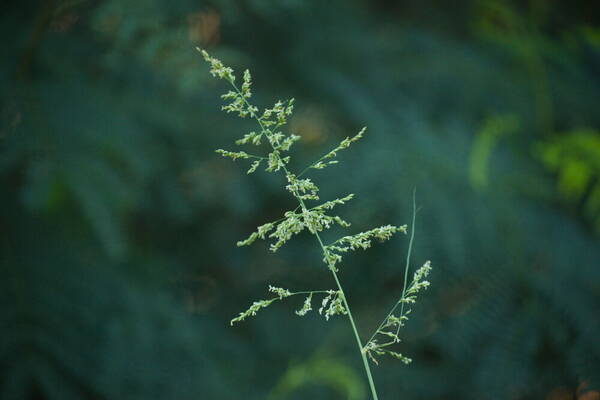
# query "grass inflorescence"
(314, 219)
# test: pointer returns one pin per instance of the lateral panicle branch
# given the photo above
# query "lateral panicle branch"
(331, 303)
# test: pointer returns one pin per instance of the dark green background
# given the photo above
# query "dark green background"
(119, 271)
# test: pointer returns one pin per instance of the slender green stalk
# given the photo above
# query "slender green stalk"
(356, 335)
(406, 268)
(408, 254)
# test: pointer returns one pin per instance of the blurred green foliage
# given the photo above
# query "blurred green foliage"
(575, 158)
(119, 271)
(483, 145)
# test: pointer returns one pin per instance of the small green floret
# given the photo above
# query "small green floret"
(234, 155)
(306, 306)
(280, 292)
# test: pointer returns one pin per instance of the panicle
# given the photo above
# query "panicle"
(315, 219)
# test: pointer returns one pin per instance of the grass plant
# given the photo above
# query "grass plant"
(275, 158)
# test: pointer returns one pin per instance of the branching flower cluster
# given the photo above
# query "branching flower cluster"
(314, 219)
(361, 240)
(389, 329)
(332, 303)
